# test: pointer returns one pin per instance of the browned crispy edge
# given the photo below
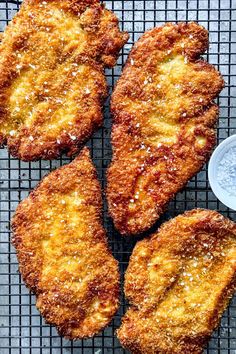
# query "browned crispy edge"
(52, 150)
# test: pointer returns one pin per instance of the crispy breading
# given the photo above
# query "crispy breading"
(52, 82)
(63, 253)
(178, 283)
(164, 120)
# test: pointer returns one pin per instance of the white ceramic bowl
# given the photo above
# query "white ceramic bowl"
(221, 193)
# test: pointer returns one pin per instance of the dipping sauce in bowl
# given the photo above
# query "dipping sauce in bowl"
(222, 172)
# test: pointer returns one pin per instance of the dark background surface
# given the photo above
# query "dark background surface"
(22, 330)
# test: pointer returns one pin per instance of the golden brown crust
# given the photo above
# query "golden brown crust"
(178, 283)
(63, 253)
(52, 82)
(164, 120)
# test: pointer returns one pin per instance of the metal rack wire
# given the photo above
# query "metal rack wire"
(22, 330)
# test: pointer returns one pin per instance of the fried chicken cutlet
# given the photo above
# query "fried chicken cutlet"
(63, 253)
(178, 283)
(164, 119)
(52, 82)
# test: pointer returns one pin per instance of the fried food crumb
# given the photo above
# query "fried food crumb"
(178, 283)
(63, 252)
(164, 120)
(52, 81)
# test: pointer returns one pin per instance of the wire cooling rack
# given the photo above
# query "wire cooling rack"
(22, 330)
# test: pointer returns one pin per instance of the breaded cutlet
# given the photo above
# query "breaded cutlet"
(63, 253)
(164, 123)
(178, 283)
(52, 81)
